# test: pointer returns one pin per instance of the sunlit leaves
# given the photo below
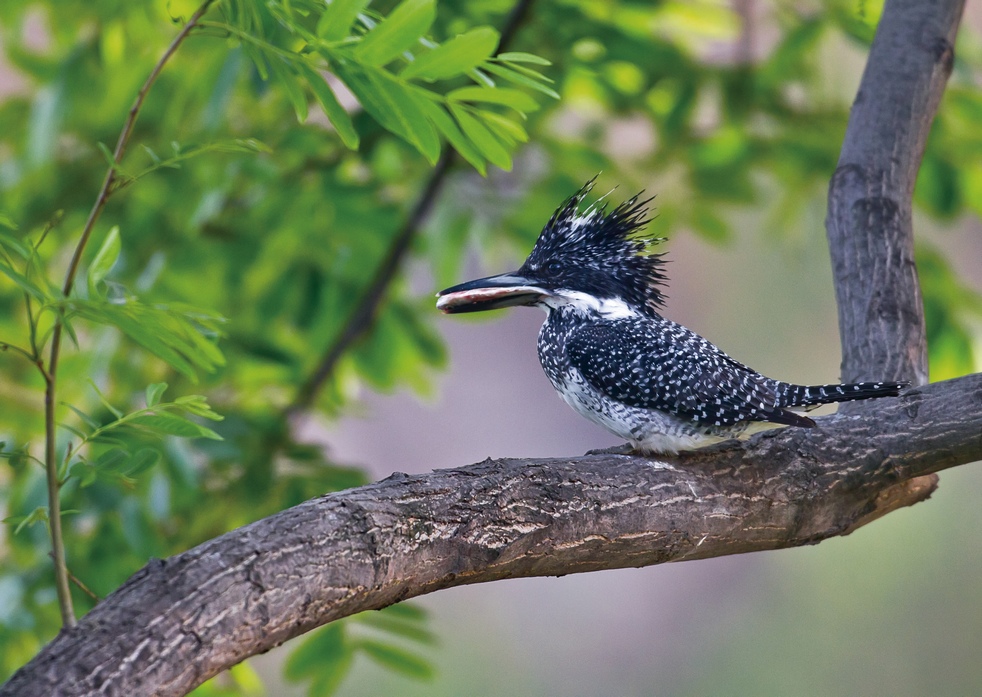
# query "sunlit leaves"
(104, 260)
(332, 107)
(180, 335)
(393, 104)
(154, 392)
(519, 101)
(456, 56)
(103, 452)
(32, 288)
(519, 76)
(396, 33)
(335, 23)
(487, 144)
(398, 97)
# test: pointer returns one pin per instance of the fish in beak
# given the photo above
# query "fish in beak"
(491, 293)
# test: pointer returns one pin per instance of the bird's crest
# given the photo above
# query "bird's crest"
(605, 252)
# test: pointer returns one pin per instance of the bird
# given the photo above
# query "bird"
(613, 357)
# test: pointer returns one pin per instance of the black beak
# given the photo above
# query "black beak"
(491, 293)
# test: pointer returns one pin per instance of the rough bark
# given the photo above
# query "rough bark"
(869, 224)
(179, 621)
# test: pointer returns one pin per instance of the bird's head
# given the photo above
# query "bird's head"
(591, 259)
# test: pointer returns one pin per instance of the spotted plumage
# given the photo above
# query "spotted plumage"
(611, 355)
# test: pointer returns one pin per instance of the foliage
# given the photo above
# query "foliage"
(279, 152)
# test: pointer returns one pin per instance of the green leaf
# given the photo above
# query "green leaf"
(111, 460)
(521, 79)
(14, 244)
(788, 57)
(86, 419)
(439, 117)
(710, 225)
(84, 472)
(105, 401)
(38, 515)
(332, 107)
(7, 222)
(520, 57)
(154, 392)
(290, 82)
(482, 138)
(108, 155)
(519, 101)
(26, 284)
(324, 648)
(455, 57)
(504, 128)
(397, 659)
(173, 333)
(408, 611)
(104, 260)
(171, 425)
(246, 680)
(397, 626)
(17, 457)
(394, 105)
(141, 461)
(145, 337)
(335, 23)
(397, 32)
(74, 431)
(198, 405)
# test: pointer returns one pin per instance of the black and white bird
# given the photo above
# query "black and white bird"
(612, 356)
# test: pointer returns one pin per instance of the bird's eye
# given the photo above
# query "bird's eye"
(554, 267)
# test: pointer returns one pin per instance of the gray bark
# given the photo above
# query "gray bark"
(182, 620)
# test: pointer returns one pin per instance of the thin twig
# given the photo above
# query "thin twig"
(51, 465)
(78, 582)
(362, 318)
(4, 346)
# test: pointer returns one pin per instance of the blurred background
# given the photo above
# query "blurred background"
(730, 112)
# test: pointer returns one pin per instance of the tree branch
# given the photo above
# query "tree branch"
(180, 621)
(869, 224)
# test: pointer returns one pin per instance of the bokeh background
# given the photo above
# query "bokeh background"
(731, 113)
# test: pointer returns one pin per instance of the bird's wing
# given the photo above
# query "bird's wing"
(668, 367)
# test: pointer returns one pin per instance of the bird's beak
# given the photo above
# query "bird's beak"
(491, 293)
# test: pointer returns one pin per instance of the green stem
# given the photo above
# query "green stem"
(4, 346)
(54, 507)
(50, 457)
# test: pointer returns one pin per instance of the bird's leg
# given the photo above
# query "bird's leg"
(622, 449)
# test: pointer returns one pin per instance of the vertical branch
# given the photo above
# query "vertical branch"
(869, 224)
(51, 377)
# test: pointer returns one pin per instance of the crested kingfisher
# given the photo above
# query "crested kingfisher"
(611, 355)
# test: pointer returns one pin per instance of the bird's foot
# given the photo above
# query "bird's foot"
(622, 449)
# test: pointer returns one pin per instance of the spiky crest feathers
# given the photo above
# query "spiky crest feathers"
(609, 252)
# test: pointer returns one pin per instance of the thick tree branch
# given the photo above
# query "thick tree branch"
(870, 232)
(179, 621)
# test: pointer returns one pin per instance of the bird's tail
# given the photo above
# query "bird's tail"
(807, 395)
